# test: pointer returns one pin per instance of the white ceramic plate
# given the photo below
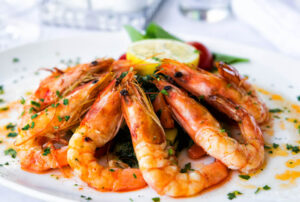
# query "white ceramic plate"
(268, 70)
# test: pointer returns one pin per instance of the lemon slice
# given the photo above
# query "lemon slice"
(148, 53)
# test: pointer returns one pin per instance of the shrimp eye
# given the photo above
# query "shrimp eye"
(124, 92)
(167, 87)
(94, 63)
(178, 74)
(95, 81)
(87, 139)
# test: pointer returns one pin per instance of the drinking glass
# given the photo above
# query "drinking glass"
(205, 10)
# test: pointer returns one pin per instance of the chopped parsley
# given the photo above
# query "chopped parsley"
(245, 177)
(156, 59)
(299, 129)
(35, 103)
(222, 130)
(163, 91)
(34, 116)
(298, 98)
(10, 126)
(250, 92)
(275, 146)
(42, 100)
(22, 101)
(11, 152)
(187, 167)
(1, 90)
(233, 194)
(67, 118)
(111, 170)
(15, 60)
(66, 101)
(275, 110)
(2, 109)
(292, 148)
(201, 97)
(170, 152)
(266, 187)
(134, 175)
(32, 124)
(58, 94)
(47, 151)
(59, 118)
(12, 134)
(86, 198)
(156, 199)
(1, 100)
(26, 127)
(55, 127)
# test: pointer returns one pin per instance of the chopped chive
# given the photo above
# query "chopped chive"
(257, 190)
(12, 134)
(11, 152)
(47, 151)
(22, 101)
(233, 194)
(67, 118)
(59, 119)
(32, 124)
(35, 103)
(275, 110)
(66, 101)
(163, 91)
(134, 175)
(170, 151)
(245, 177)
(26, 127)
(34, 116)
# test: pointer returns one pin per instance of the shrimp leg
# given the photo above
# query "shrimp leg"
(159, 167)
(207, 132)
(98, 127)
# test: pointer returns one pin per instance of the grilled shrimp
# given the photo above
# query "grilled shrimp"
(64, 114)
(40, 154)
(158, 166)
(230, 85)
(60, 83)
(207, 132)
(98, 127)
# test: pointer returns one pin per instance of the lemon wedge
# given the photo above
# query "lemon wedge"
(146, 54)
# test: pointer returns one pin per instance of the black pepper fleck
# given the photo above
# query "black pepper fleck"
(167, 87)
(124, 92)
(94, 63)
(178, 74)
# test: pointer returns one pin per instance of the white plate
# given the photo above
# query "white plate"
(268, 70)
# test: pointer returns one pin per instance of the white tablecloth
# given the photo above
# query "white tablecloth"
(169, 17)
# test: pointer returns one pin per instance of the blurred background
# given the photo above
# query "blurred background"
(267, 24)
(273, 25)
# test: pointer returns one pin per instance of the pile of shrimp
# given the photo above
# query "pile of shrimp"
(77, 111)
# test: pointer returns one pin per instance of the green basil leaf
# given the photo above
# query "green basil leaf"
(155, 31)
(134, 34)
(229, 59)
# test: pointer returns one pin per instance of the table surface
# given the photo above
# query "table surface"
(170, 18)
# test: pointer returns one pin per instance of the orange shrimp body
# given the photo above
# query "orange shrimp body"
(63, 114)
(230, 86)
(38, 157)
(63, 82)
(98, 127)
(207, 132)
(159, 167)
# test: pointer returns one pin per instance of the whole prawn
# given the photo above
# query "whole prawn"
(207, 132)
(230, 85)
(98, 127)
(159, 167)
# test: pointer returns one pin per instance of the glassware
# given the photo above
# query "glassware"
(98, 14)
(12, 25)
(205, 10)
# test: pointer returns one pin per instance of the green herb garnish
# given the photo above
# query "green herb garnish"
(47, 151)
(11, 152)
